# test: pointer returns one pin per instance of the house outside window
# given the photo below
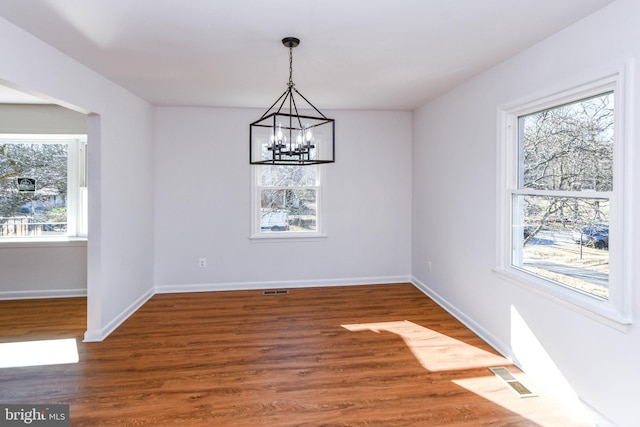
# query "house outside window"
(561, 197)
(43, 190)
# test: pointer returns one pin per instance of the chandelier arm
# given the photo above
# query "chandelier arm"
(273, 105)
(309, 102)
(288, 95)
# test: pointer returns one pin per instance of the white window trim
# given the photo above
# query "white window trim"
(616, 310)
(76, 178)
(255, 233)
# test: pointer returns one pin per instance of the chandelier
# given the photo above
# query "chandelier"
(284, 136)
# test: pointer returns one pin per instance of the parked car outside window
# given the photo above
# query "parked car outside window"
(274, 220)
(592, 235)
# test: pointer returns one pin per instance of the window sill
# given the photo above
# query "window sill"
(31, 242)
(288, 237)
(603, 311)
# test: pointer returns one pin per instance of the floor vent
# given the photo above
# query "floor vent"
(515, 385)
(276, 292)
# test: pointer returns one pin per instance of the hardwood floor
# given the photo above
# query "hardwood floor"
(382, 355)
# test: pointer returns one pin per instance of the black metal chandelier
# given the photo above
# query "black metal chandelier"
(283, 136)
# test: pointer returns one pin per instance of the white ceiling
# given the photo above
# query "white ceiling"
(354, 54)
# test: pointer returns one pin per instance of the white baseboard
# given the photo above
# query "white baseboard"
(242, 286)
(97, 335)
(483, 333)
(39, 294)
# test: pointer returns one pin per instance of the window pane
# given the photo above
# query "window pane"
(288, 176)
(563, 239)
(33, 211)
(288, 209)
(569, 147)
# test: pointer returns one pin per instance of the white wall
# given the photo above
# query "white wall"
(202, 205)
(120, 246)
(454, 215)
(43, 270)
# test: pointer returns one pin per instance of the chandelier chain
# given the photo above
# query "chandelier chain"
(290, 67)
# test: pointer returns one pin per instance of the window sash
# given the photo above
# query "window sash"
(256, 205)
(565, 250)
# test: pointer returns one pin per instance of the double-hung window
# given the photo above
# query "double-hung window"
(43, 190)
(287, 201)
(561, 195)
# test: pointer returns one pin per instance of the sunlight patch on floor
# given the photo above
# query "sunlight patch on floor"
(541, 410)
(434, 351)
(439, 352)
(37, 353)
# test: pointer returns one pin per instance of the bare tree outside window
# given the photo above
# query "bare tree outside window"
(42, 211)
(562, 201)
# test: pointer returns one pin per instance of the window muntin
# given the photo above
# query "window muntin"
(286, 201)
(57, 205)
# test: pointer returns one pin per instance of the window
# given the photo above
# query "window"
(43, 189)
(286, 201)
(561, 195)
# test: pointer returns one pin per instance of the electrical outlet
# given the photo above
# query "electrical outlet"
(202, 263)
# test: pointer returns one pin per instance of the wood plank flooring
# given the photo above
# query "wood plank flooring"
(380, 355)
